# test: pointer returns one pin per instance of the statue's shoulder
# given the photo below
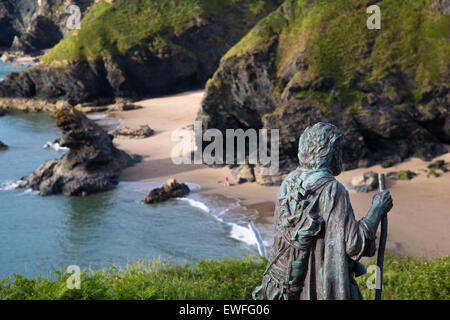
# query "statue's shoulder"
(335, 187)
(291, 180)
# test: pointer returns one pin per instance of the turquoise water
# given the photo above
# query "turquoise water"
(6, 68)
(38, 234)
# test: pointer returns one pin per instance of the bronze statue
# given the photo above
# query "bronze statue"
(318, 242)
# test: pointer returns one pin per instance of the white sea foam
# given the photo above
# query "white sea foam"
(29, 192)
(238, 232)
(97, 116)
(221, 211)
(196, 204)
(55, 146)
(242, 233)
(11, 185)
(257, 238)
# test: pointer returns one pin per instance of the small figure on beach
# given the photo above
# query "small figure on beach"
(318, 242)
(226, 182)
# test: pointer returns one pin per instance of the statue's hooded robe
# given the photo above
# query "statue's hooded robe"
(318, 241)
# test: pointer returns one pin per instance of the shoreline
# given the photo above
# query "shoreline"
(417, 224)
(21, 59)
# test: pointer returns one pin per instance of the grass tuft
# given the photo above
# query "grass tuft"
(405, 175)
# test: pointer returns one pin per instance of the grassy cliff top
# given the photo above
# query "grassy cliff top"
(111, 29)
(333, 34)
(404, 278)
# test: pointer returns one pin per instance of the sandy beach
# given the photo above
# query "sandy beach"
(418, 223)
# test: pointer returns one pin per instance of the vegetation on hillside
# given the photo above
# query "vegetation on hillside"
(110, 29)
(338, 44)
(404, 278)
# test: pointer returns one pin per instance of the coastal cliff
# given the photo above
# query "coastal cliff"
(134, 49)
(30, 26)
(311, 61)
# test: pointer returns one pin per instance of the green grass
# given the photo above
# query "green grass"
(404, 278)
(438, 165)
(405, 175)
(388, 163)
(113, 29)
(433, 173)
(339, 45)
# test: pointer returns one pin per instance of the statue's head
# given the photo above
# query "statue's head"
(320, 147)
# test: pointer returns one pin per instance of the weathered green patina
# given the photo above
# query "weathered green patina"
(318, 242)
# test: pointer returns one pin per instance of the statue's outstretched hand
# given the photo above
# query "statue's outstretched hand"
(382, 201)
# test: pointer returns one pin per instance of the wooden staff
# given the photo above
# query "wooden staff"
(382, 246)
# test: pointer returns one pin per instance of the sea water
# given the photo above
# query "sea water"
(6, 68)
(42, 234)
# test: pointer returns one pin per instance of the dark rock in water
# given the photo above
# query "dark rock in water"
(2, 112)
(365, 182)
(3, 146)
(93, 164)
(140, 133)
(385, 110)
(171, 189)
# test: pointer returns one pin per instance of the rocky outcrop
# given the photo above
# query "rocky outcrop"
(30, 26)
(43, 86)
(93, 164)
(3, 146)
(243, 174)
(140, 133)
(90, 108)
(43, 33)
(171, 189)
(120, 105)
(123, 105)
(176, 57)
(364, 182)
(299, 66)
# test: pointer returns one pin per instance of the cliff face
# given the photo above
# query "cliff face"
(311, 61)
(30, 26)
(138, 48)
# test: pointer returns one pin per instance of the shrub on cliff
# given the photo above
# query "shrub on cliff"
(316, 60)
(111, 29)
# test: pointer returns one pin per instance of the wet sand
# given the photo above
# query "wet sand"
(418, 223)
